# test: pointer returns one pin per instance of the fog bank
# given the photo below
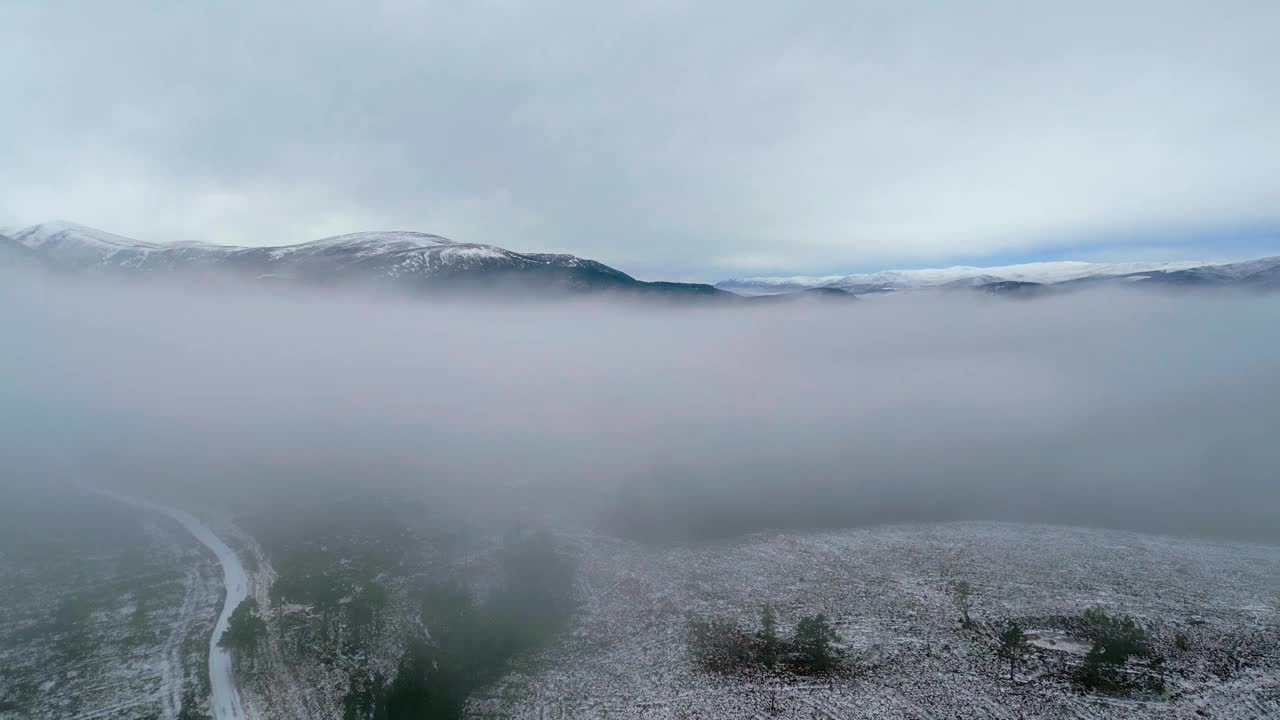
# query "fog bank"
(1117, 409)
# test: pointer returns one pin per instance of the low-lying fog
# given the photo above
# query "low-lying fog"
(659, 422)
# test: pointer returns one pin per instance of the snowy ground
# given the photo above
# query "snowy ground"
(224, 697)
(888, 591)
(143, 595)
(154, 592)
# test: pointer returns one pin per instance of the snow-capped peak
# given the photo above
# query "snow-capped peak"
(74, 243)
(63, 232)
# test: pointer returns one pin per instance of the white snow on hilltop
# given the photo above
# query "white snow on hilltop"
(887, 280)
(70, 242)
(365, 244)
(385, 253)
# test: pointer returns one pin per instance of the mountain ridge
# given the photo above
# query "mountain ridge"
(406, 260)
(1047, 272)
(1030, 279)
(425, 263)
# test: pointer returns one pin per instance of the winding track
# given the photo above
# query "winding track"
(224, 696)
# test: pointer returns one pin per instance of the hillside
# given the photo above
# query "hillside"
(411, 262)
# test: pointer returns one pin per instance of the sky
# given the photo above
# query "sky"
(668, 139)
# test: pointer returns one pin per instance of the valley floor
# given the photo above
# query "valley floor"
(107, 612)
(889, 592)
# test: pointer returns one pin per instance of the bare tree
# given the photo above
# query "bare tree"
(963, 592)
(770, 645)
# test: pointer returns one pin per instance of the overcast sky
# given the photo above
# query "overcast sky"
(684, 140)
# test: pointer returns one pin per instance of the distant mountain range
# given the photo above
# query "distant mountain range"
(419, 263)
(405, 261)
(1262, 274)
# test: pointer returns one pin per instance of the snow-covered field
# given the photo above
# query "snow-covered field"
(153, 593)
(888, 589)
(105, 611)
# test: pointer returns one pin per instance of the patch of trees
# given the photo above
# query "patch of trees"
(347, 594)
(245, 631)
(1117, 640)
(333, 555)
(365, 696)
(722, 645)
(472, 641)
(336, 555)
(368, 531)
(1013, 643)
(813, 643)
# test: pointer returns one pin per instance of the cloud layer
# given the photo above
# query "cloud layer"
(662, 138)
(1125, 410)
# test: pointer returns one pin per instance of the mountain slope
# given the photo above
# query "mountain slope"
(72, 244)
(406, 261)
(14, 253)
(1261, 274)
(957, 276)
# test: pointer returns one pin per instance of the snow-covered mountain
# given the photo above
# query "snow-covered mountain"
(412, 261)
(68, 243)
(1260, 274)
(957, 276)
(420, 262)
(15, 254)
